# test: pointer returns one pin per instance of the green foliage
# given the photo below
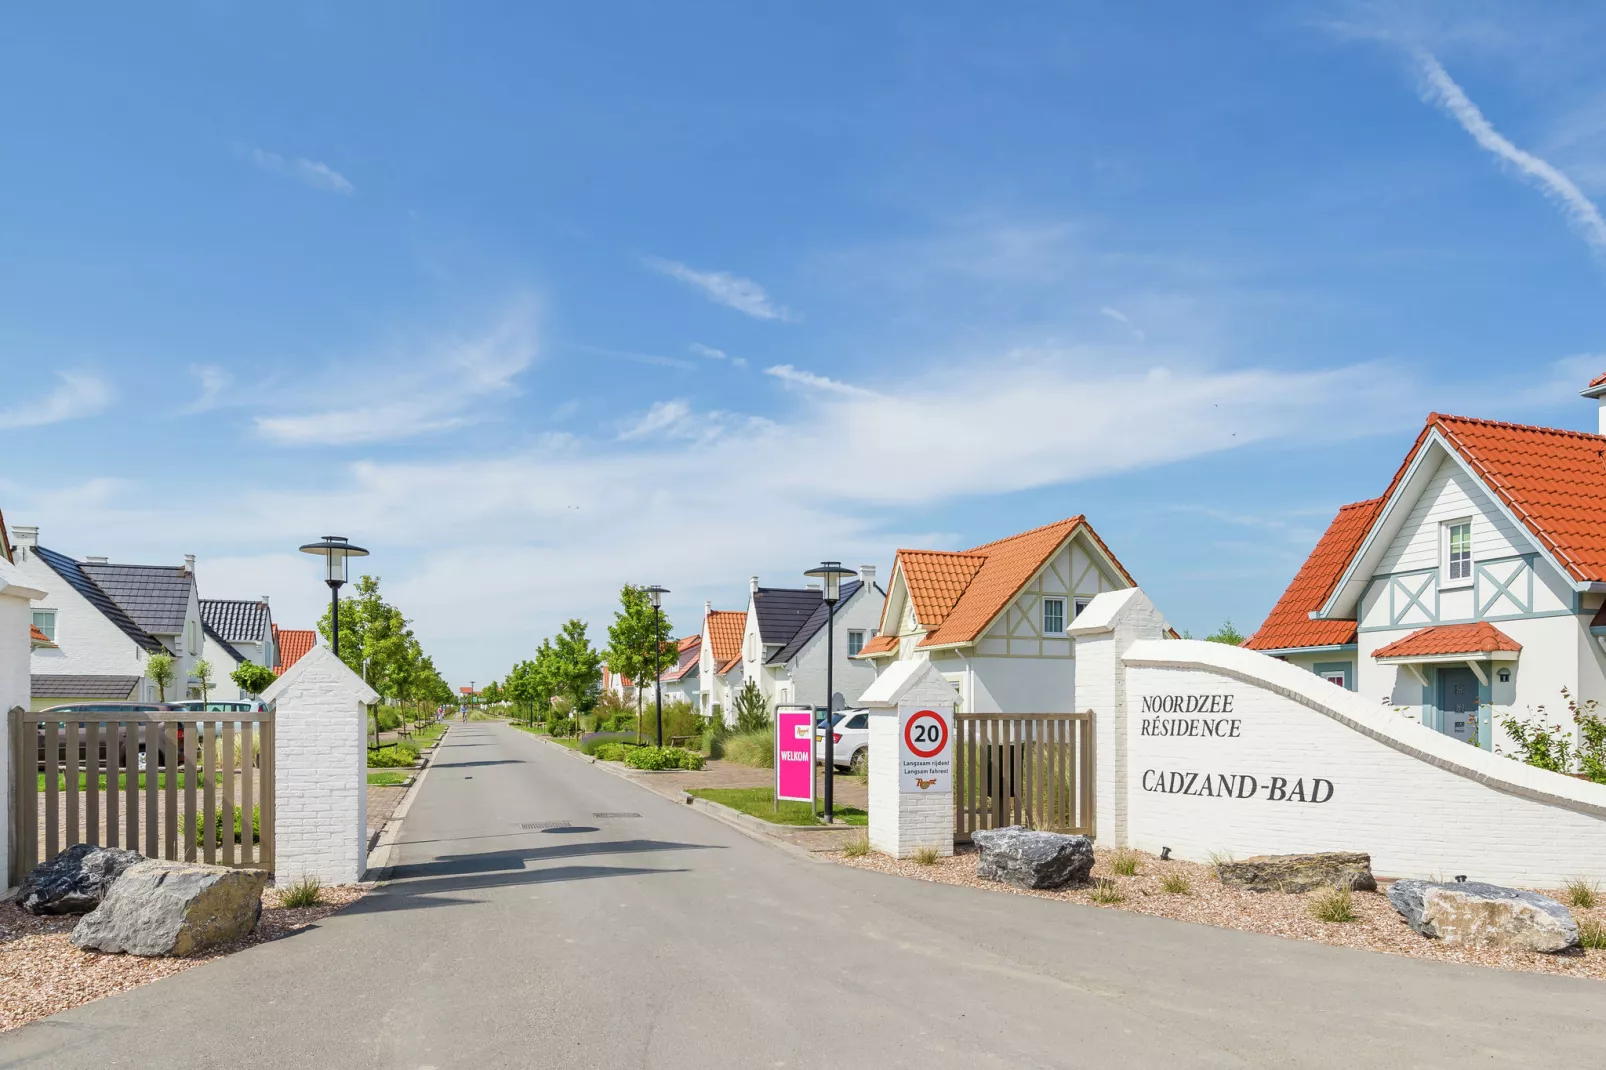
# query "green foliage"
(640, 646)
(857, 847)
(1581, 893)
(1176, 883)
(925, 856)
(713, 741)
(752, 708)
(306, 892)
(1335, 905)
(389, 719)
(1592, 934)
(680, 719)
(1538, 744)
(756, 749)
(576, 667)
(491, 693)
(375, 632)
(387, 779)
(561, 726)
(590, 746)
(1106, 892)
(218, 826)
(610, 751)
(1124, 863)
(1226, 634)
(400, 754)
(252, 678)
(159, 670)
(663, 758)
(202, 671)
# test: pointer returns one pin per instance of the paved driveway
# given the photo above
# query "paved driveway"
(671, 940)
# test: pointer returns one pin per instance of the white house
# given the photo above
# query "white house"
(681, 681)
(719, 659)
(235, 631)
(1472, 590)
(784, 640)
(102, 621)
(992, 619)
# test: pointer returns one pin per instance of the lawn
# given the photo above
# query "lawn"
(388, 778)
(122, 781)
(760, 803)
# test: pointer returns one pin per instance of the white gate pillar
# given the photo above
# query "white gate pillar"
(904, 815)
(16, 652)
(320, 764)
(1103, 631)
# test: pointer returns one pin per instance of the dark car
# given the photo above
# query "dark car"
(106, 711)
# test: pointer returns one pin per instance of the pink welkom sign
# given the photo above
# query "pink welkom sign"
(794, 755)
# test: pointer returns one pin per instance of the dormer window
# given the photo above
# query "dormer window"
(1458, 552)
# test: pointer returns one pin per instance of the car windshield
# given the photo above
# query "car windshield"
(819, 719)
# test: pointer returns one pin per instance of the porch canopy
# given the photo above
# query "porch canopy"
(1473, 645)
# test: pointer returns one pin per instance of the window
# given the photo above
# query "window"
(1053, 616)
(1334, 677)
(1458, 552)
(1080, 604)
(45, 621)
(858, 720)
(855, 642)
(752, 648)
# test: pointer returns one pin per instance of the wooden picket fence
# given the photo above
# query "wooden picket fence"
(165, 788)
(1032, 769)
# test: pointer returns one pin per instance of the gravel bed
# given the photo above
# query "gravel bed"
(1378, 926)
(42, 973)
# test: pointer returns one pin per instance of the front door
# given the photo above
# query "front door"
(1458, 703)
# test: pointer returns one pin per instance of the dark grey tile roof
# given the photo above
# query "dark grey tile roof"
(815, 621)
(224, 643)
(156, 596)
(78, 580)
(73, 685)
(781, 612)
(235, 621)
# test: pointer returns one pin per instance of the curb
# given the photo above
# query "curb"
(379, 864)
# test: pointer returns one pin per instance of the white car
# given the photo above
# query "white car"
(223, 706)
(850, 740)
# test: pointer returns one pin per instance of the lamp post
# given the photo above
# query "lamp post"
(656, 593)
(830, 573)
(335, 550)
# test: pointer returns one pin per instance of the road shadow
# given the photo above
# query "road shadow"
(472, 765)
(438, 892)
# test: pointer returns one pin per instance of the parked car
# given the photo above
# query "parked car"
(215, 706)
(104, 711)
(850, 740)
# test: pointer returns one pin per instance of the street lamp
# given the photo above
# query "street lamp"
(830, 573)
(656, 593)
(334, 549)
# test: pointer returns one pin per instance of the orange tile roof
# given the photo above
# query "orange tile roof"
(1599, 380)
(936, 580)
(1289, 624)
(728, 665)
(686, 660)
(293, 644)
(725, 628)
(1444, 639)
(878, 644)
(37, 636)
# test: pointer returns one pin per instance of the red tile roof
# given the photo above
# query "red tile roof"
(878, 644)
(37, 637)
(1289, 624)
(690, 649)
(1599, 380)
(292, 644)
(725, 628)
(727, 666)
(1445, 639)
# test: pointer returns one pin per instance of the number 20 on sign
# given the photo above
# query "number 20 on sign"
(925, 750)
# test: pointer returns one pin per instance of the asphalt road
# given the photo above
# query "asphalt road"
(669, 939)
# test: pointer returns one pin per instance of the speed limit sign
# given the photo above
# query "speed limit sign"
(925, 749)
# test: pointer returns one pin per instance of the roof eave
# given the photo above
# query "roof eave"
(1329, 648)
(1438, 659)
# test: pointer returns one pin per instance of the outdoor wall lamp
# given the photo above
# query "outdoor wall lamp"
(335, 551)
(830, 574)
(1505, 676)
(656, 593)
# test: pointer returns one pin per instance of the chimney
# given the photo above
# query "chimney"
(752, 585)
(708, 607)
(867, 575)
(189, 563)
(264, 599)
(812, 585)
(25, 538)
(95, 560)
(1596, 389)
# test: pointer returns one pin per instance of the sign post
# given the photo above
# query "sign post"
(794, 755)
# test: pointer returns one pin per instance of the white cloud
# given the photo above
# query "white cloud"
(78, 396)
(717, 354)
(721, 287)
(1121, 317)
(1440, 89)
(308, 172)
(787, 373)
(399, 395)
(662, 416)
(214, 381)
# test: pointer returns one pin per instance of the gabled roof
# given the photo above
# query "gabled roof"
(1442, 640)
(878, 644)
(228, 648)
(157, 597)
(236, 621)
(725, 627)
(80, 581)
(815, 623)
(1289, 626)
(781, 611)
(686, 664)
(78, 685)
(936, 580)
(292, 644)
(733, 663)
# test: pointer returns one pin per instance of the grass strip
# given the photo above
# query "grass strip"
(760, 803)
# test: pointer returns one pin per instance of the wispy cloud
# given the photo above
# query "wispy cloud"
(721, 287)
(312, 173)
(787, 373)
(660, 417)
(214, 381)
(78, 396)
(640, 358)
(1440, 89)
(1121, 317)
(717, 354)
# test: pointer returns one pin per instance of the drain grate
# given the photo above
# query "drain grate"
(537, 826)
(621, 814)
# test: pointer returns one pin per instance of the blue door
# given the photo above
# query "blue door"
(1458, 703)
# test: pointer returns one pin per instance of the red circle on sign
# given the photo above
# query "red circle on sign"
(942, 738)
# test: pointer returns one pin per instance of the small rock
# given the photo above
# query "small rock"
(1297, 874)
(1017, 855)
(1472, 914)
(174, 908)
(75, 881)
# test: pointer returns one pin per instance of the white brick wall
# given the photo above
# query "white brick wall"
(320, 770)
(901, 823)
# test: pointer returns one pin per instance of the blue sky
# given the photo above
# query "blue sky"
(534, 301)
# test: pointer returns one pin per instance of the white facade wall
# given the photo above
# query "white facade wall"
(320, 770)
(803, 678)
(86, 642)
(16, 614)
(902, 823)
(223, 662)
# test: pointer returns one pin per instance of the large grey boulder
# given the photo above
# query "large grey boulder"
(1297, 874)
(1017, 855)
(174, 908)
(75, 881)
(1472, 914)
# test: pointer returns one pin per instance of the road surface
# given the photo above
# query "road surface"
(671, 940)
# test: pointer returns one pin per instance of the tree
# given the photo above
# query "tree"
(639, 646)
(1226, 634)
(159, 669)
(752, 708)
(491, 693)
(202, 672)
(576, 667)
(252, 678)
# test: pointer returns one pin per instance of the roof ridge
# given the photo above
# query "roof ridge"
(1566, 432)
(949, 553)
(1079, 518)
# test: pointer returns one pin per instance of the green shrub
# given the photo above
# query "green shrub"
(610, 751)
(403, 752)
(305, 892)
(218, 833)
(662, 758)
(1176, 884)
(756, 749)
(1124, 863)
(857, 847)
(680, 719)
(1592, 934)
(1581, 893)
(713, 741)
(925, 856)
(1106, 892)
(589, 745)
(389, 719)
(1334, 905)
(752, 708)
(560, 726)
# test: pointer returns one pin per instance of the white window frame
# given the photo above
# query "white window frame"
(855, 633)
(1079, 605)
(50, 632)
(1060, 602)
(1446, 563)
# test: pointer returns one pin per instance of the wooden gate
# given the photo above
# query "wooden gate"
(183, 790)
(1033, 769)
